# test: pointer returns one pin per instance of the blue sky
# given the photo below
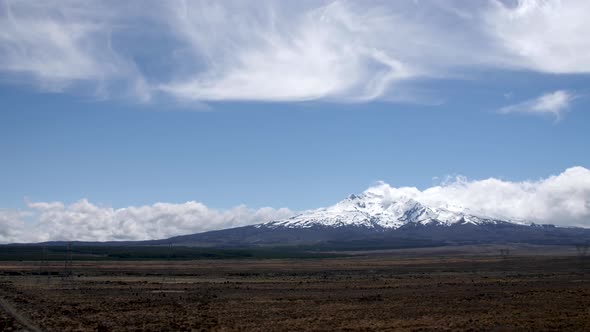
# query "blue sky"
(301, 155)
(282, 104)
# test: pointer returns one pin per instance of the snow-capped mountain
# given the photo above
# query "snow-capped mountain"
(371, 210)
(383, 220)
(375, 220)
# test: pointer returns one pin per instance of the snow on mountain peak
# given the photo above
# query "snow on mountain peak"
(374, 209)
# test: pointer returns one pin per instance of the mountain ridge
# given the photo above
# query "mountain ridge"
(371, 220)
(372, 210)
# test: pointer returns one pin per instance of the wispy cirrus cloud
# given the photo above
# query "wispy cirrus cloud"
(553, 103)
(61, 45)
(323, 51)
(541, 35)
(282, 51)
(55, 44)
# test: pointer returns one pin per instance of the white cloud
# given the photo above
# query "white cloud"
(562, 199)
(85, 221)
(34, 40)
(326, 51)
(553, 103)
(13, 226)
(283, 51)
(63, 44)
(542, 35)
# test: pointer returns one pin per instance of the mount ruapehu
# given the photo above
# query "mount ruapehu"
(372, 221)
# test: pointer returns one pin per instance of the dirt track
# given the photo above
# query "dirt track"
(24, 321)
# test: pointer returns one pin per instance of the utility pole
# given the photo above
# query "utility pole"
(504, 253)
(582, 249)
(43, 264)
(67, 275)
(168, 275)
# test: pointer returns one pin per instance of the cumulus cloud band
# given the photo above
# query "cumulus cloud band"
(85, 221)
(562, 199)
